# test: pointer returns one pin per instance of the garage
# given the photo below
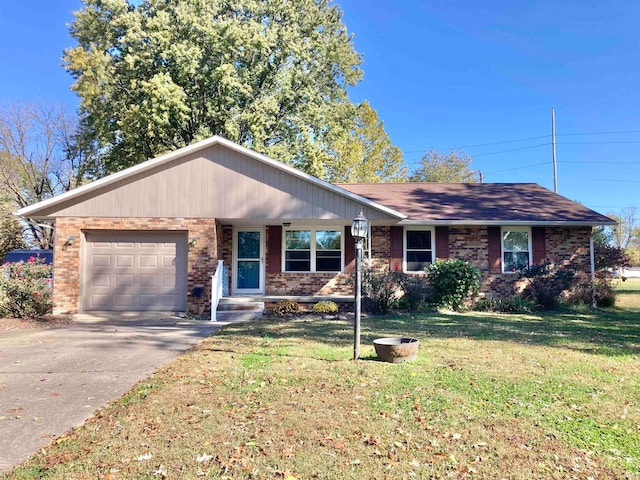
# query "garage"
(135, 271)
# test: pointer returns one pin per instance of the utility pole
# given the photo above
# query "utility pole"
(553, 148)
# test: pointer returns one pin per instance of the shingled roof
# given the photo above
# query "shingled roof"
(479, 203)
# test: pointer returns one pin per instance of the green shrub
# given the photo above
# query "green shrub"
(25, 289)
(452, 281)
(325, 307)
(286, 307)
(513, 304)
(547, 284)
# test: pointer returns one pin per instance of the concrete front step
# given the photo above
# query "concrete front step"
(239, 309)
(227, 304)
(238, 315)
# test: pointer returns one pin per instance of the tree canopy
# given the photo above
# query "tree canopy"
(365, 153)
(454, 166)
(156, 75)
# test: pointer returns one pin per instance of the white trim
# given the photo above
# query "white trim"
(312, 229)
(515, 228)
(234, 273)
(404, 245)
(209, 142)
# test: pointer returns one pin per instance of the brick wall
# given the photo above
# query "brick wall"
(565, 246)
(202, 257)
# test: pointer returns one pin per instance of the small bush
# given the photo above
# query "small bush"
(547, 284)
(605, 294)
(416, 291)
(379, 290)
(325, 307)
(513, 304)
(452, 282)
(25, 289)
(286, 307)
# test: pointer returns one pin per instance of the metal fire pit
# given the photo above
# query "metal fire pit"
(396, 349)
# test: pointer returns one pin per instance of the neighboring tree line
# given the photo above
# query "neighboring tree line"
(618, 247)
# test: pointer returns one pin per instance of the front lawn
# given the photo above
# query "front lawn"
(490, 396)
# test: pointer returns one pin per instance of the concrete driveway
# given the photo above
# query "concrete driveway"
(54, 379)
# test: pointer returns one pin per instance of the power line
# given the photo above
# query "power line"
(511, 150)
(599, 143)
(600, 133)
(518, 168)
(615, 132)
(600, 163)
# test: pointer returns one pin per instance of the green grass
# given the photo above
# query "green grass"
(553, 395)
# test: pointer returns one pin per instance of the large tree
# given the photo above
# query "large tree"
(453, 166)
(42, 154)
(156, 75)
(365, 153)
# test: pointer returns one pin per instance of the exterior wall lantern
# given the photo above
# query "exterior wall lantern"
(359, 231)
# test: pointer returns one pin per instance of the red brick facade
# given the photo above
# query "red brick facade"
(566, 246)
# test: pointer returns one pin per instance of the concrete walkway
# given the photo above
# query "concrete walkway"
(54, 379)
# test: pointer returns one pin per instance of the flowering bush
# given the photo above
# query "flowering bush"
(25, 289)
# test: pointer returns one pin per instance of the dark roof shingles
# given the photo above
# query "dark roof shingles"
(491, 202)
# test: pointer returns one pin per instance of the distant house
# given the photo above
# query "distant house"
(151, 236)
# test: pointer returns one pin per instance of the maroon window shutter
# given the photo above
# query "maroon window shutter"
(349, 249)
(442, 242)
(274, 255)
(396, 239)
(495, 249)
(538, 245)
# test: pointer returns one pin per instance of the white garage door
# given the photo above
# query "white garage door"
(135, 271)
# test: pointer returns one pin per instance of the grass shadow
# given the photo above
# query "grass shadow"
(611, 332)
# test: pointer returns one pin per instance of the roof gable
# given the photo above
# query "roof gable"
(213, 178)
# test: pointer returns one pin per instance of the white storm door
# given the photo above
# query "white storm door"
(248, 254)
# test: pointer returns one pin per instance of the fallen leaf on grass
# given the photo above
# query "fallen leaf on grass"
(203, 458)
(144, 456)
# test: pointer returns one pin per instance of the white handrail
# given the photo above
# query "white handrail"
(216, 289)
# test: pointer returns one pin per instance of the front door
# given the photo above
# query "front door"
(248, 251)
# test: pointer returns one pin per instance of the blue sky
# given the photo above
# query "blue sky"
(480, 76)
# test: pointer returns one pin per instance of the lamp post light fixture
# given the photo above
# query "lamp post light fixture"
(359, 231)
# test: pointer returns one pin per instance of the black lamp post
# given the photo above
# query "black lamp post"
(359, 231)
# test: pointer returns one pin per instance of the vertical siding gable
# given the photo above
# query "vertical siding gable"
(216, 182)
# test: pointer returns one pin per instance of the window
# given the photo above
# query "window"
(516, 249)
(418, 250)
(313, 250)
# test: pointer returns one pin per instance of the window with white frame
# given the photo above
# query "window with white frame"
(516, 249)
(313, 250)
(418, 249)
